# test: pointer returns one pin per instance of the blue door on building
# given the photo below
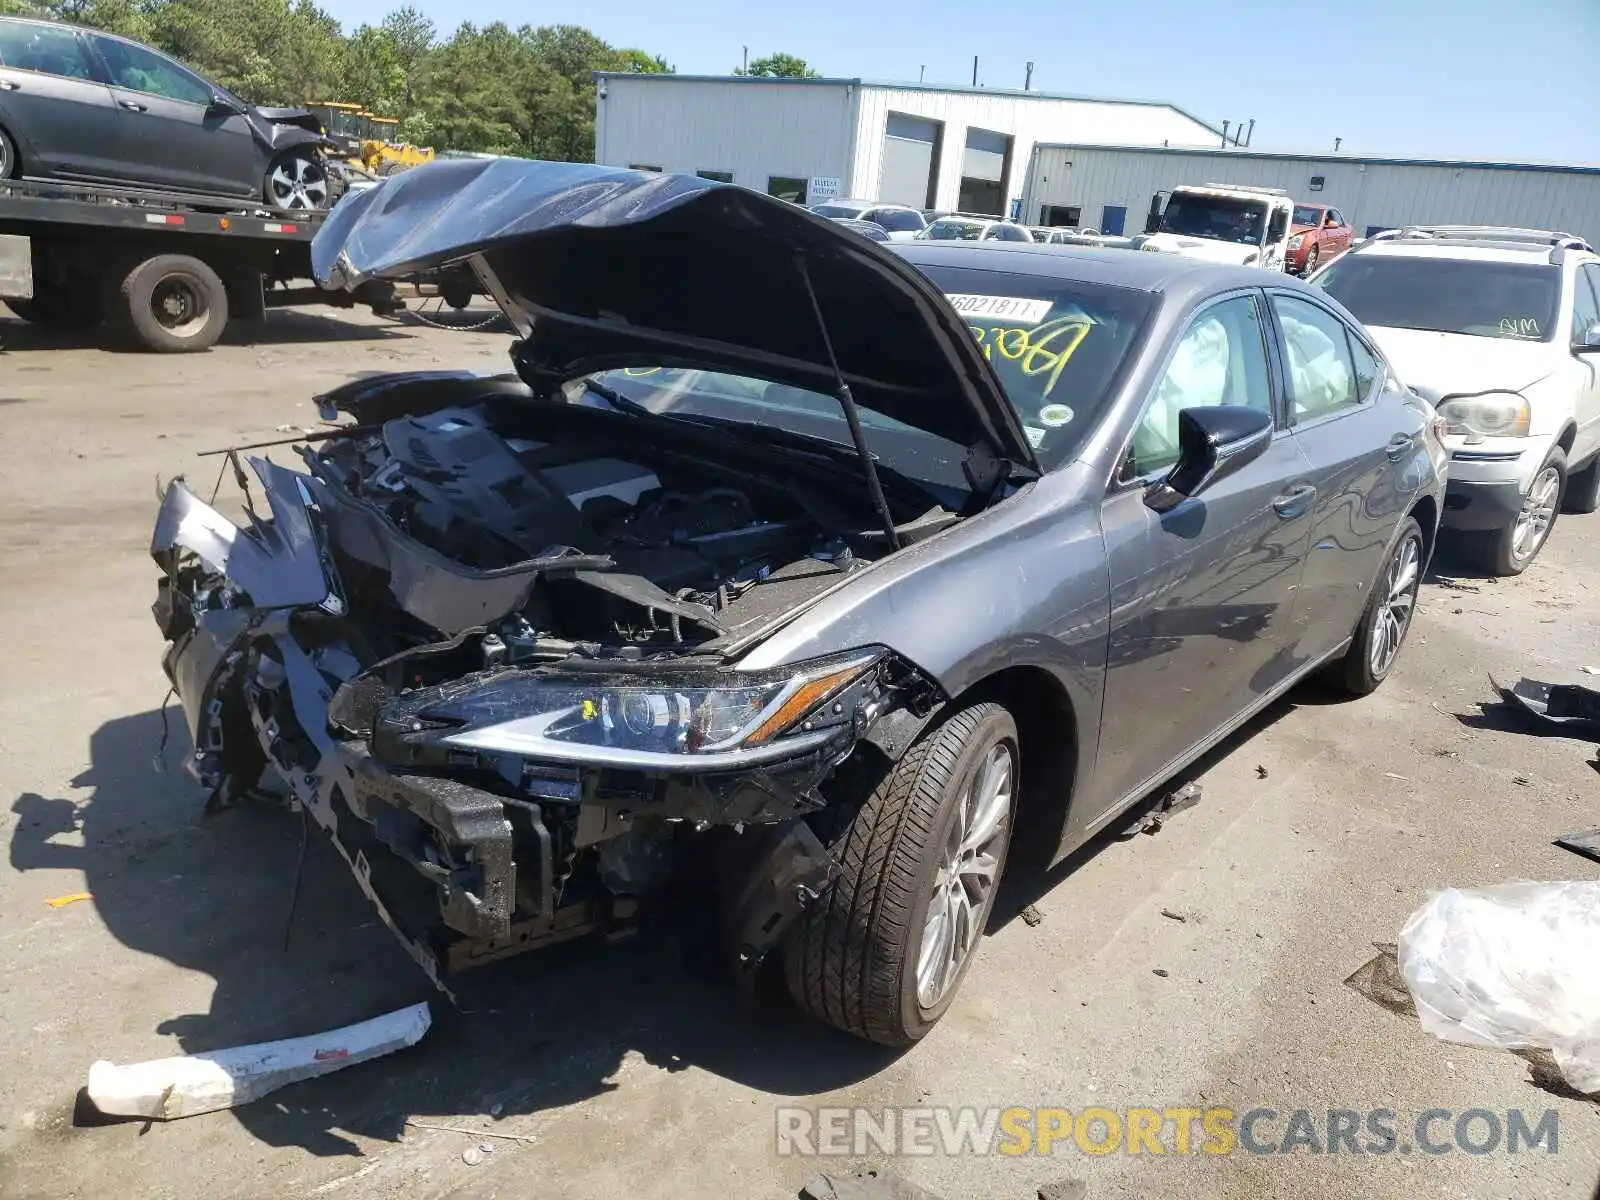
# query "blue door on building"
(1113, 219)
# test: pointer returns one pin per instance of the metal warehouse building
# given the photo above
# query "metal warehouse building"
(809, 140)
(1093, 184)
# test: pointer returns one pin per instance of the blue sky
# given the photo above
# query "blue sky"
(1516, 79)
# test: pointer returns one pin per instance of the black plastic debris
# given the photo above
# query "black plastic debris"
(1379, 980)
(1571, 707)
(864, 1185)
(1583, 841)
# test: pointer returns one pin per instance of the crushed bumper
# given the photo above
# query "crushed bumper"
(466, 855)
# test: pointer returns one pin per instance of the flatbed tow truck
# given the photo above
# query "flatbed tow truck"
(164, 270)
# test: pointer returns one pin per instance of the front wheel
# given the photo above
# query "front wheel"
(1511, 551)
(10, 164)
(921, 849)
(1311, 263)
(297, 179)
(1387, 618)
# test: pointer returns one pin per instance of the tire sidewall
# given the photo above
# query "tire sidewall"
(1507, 563)
(10, 159)
(995, 726)
(138, 291)
(1365, 678)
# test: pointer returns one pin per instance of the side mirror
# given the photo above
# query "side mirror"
(1213, 443)
(226, 103)
(1588, 340)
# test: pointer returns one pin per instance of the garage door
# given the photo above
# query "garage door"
(909, 149)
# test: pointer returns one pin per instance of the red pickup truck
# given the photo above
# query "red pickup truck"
(1316, 234)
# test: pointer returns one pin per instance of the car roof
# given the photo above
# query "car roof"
(1159, 274)
(1459, 251)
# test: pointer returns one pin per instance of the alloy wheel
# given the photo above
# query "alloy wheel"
(1397, 602)
(969, 869)
(1311, 263)
(299, 182)
(1537, 515)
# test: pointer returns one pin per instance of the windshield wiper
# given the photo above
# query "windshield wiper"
(615, 398)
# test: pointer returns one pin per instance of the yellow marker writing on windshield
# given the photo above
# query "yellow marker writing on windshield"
(1037, 350)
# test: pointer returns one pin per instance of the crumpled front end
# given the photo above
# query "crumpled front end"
(494, 787)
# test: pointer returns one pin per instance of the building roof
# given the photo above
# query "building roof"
(1302, 156)
(903, 86)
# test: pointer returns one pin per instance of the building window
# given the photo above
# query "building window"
(643, 167)
(1317, 182)
(1060, 216)
(786, 188)
(716, 176)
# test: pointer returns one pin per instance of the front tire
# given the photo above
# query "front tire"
(1311, 263)
(1511, 551)
(10, 162)
(1387, 618)
(297, 179)
(921, 850)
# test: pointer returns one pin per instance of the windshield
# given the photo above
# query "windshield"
(1218, 218)
(1448, 295)
(955, 231)
(899, 220)
(1307, 216)
(1055, 344)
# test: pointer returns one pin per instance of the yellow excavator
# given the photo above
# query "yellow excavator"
(368, 141)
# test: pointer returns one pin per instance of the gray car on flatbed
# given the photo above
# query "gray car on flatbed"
(817, 573)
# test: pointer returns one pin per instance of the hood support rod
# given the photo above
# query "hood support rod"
(852, 414)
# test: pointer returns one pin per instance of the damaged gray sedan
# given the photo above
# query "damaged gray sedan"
(818, 572)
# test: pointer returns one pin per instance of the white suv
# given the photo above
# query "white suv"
(1500, 329)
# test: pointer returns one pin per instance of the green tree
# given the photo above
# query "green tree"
(778, 66)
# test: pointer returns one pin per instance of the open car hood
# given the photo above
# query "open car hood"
(600, 268)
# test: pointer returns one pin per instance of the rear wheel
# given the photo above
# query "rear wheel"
(297, 179)
(921, 849)
(1387, 619)
(1510, 551)
(172, 304)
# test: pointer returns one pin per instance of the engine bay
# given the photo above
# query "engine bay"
(665, 549)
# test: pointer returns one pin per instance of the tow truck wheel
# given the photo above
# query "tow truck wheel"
(172, 303)
(921, 847)
(9, 163)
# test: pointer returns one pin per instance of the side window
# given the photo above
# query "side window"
(1585, 300)
(1368, 370)
(1338, 217)
(47, 49)
(1221, 359)
(1321, 374)
(141, 70)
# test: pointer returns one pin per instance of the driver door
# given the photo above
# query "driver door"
(169, 133)
(1201, 596)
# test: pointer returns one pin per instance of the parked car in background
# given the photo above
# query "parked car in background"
(90, 107)
(523, 645)
(898, 221)
(867, 229)
(1500, 329)
(975, 229)
(1317, 235)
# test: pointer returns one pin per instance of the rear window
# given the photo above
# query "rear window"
(1055, 344)
(955, 231)
(1448, 295)
(898, 220)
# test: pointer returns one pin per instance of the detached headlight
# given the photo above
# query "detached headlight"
(688, 721)
(1493, 414)
(1297, 241)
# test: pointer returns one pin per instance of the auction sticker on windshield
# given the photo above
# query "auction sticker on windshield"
(1000, 308)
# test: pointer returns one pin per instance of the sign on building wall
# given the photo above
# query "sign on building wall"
(822, 188)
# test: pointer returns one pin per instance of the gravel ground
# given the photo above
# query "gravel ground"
(1322, 827)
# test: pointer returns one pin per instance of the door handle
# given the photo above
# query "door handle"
(1294, 502)
(1398, 445)
(133, 106)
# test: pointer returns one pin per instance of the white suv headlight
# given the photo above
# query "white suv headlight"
(1492, 414)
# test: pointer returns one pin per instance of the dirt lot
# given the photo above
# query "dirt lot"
(1322, 828)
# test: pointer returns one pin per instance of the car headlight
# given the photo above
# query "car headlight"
(1491, 414)
(694, 720)
(1297, 241)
